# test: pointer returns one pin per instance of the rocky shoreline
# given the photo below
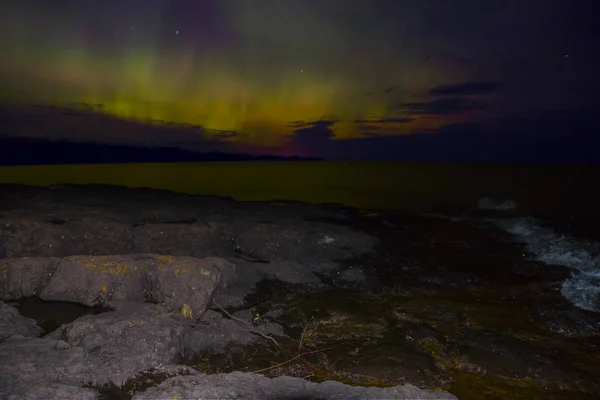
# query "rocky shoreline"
(187, 296)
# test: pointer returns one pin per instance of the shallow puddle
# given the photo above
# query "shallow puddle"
(51, 315)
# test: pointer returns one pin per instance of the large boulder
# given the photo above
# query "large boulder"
(110, 349)
(173, 281)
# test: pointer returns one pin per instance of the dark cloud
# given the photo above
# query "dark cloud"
(465, 89)
(368, 127)
(299, 124)
(83, 123)
(226, 134)
(85, 106)
(312, 135)
(560, 136)
(443, 106)
(385, 120)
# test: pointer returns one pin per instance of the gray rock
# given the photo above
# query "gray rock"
(97, 280)
(352, 275)
(247, 274)
(215, 333)
(174, 281)
(240, 385)
(27, 366)
(297, 239)
(24, 390)
(121, 343)
(25, 276)
(149, 245)
(113, 347)
(12, 323)
(289, 271)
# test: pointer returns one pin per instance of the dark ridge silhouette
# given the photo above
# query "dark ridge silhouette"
(25, 151)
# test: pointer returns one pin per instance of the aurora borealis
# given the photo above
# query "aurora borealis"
(274, 74)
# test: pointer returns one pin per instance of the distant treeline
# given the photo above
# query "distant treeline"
(26, 151)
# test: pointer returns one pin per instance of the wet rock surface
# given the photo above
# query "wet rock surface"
(199, 289)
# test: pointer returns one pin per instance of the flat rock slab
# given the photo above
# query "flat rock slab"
(107, 349)
(290, 241)
(101, 280)
(240, 385)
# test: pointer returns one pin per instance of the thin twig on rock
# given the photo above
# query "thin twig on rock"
(293, 358)
(247, 323)
(304, 333)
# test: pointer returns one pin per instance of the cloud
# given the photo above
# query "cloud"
(312, 134)
(465, 89)
(81, 122)
(226, 134)
(370, 127)
(443, 106)
(300, 124)
(550, 137)
(401, 120)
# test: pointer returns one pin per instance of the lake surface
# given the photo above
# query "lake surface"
(536, 190)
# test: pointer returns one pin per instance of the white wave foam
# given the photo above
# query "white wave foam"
(485, 203)
(583, 288)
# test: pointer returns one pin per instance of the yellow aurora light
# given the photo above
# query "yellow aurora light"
(254, 95)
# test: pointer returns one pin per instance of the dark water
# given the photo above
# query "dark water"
(51, 315)
(537, 190)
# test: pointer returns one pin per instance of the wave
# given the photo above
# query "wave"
(583, 257)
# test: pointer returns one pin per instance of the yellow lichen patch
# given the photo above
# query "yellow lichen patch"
(104, 288)
(186, 311)
(342, 326)
(110, 267)
(182, 266)
(163, 260)
(448, 361)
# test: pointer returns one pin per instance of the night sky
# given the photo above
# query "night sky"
(379, 79)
